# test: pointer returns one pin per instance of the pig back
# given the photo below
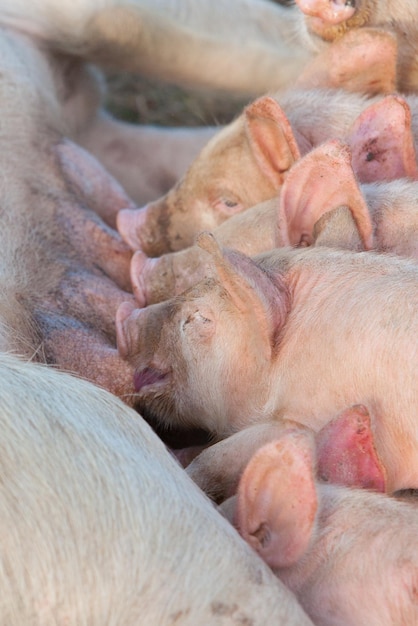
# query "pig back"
(100, 525)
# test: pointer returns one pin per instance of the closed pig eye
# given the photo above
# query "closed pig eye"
(197, 323)
(228, 206)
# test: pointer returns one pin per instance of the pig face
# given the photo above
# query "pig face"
(244, 164)
(194, 355)
(329, 19)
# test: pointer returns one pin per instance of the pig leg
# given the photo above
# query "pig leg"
(361, 61)
(191, 43)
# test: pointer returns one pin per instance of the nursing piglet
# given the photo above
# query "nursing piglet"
(242, 165)
(300, 333)
(320, 203)
(349, 555)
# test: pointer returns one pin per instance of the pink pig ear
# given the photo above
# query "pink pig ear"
(271, 139)
(346, 454)
(320, 182)
(277, 501)
(381, 142)
(263, 301)
(363, 60)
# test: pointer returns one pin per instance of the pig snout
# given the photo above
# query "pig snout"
(146, 228)
(130, 223)
(136, 331)
(328, 11)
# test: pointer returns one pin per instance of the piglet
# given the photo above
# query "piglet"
(298, 333)
(349, 555)
(320, 202)
(248, 162)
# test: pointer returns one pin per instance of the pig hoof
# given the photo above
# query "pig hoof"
(140, 268)
(129, 223)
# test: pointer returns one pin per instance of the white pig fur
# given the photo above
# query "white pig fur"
(100, 525)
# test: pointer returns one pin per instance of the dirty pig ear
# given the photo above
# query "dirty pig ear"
(381, 142)
(277, 501)
(271, 139)
(320, 182)
(242, 293)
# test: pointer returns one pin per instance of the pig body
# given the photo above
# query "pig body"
(349, 555)
(295, 334)
(123, 35)
(100, 525)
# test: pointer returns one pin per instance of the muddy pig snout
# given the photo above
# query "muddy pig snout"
(146, 228)
(329, 11)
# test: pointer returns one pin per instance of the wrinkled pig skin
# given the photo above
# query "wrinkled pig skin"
(305, 333)
(248, 161)
(313, 208)
(349, 555)
(65, 270)
(327, 20)
(99, 525)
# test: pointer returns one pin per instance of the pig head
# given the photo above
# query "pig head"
(243, 164)
(297, 332)
(348, 554)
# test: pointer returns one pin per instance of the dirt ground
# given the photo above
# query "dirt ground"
(145, 101)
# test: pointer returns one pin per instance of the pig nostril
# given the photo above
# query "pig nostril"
(350, 3)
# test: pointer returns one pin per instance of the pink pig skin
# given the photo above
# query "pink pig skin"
(327, 20)
(306, 333)
(349, 555)
(313, 207)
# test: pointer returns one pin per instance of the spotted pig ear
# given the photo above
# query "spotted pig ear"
(271, 139)
(320, 182)
(381, 142)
